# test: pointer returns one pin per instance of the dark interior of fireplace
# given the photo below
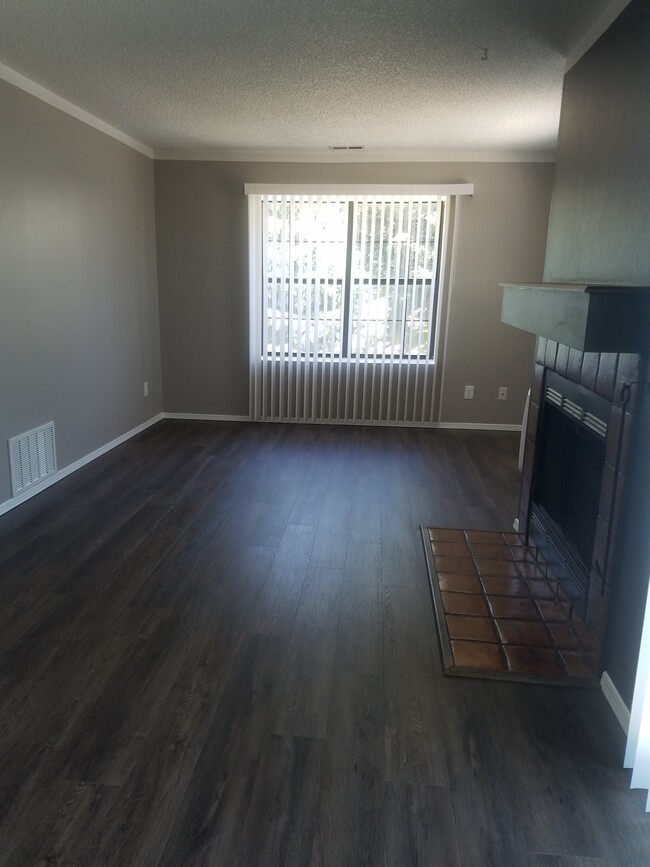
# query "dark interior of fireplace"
(567, 483)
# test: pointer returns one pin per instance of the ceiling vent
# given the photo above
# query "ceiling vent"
(346, 147)
(32, 458)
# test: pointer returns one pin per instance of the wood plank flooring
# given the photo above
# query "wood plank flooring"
(217, 647)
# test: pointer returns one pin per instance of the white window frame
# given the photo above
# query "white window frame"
(255, 191)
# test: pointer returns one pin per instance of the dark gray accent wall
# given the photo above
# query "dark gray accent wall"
(599, 230)
(600, 215)
(78, 295)
(202, 238)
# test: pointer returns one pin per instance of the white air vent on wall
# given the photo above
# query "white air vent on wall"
(32, 457)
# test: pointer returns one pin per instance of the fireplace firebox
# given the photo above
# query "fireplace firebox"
(567, 482)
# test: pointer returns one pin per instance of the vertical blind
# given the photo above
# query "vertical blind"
(344, 311)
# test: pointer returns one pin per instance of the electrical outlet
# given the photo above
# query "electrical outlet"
(146, 389)
(469, 392)
(503, 392)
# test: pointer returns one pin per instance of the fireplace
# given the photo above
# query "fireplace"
(586, 403)
(567, 479)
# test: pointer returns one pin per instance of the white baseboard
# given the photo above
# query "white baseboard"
(77, 465)
(460, 425)
(194, 416)
(615, 701)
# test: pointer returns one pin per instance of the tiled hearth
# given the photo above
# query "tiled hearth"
(501, 612)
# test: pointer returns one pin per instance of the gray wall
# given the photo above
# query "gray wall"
(600, 215)
(78, 296)
(599, 231)
(201, 228)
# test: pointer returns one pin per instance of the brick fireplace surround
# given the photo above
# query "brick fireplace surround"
(606, 374)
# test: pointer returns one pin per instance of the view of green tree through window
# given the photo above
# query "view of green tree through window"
(350, 277)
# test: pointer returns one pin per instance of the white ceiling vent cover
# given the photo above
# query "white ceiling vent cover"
(32, 458)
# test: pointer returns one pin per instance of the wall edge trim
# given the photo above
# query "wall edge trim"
(12, 502)
(615, 701)
(462, 425)
(48, 96)
(201, 416)
(364, 156)
(194, 416)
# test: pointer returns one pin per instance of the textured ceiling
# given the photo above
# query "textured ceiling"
(306, 74)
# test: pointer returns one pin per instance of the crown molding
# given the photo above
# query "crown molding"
(364, 156)
(594, 33)
(23, 83)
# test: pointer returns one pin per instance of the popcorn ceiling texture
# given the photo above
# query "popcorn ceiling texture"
(306, 74)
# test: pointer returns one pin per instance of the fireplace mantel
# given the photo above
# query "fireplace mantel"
(591, 318)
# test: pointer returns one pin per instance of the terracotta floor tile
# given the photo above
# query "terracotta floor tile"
(491, 552)
(524, 632)
(555, 612)
(534, 660)
(514, 538)
(564, 636)
(513, 609)
(459, 583)
(451, 549)
(591, 641)
(522, 552)
(577, 665)
(577, 620)
(505, 587)
(477, 654)
(579, 628)
(464, 603)
(471, 628)
(540, 589)
(459, 565)
(497, 568)
(551, 581)
(532, 570)
(484, 537)
(440, 534)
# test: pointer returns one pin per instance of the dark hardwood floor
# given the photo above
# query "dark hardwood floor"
(217, 647)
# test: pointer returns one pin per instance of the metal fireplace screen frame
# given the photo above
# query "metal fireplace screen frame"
(567, 481)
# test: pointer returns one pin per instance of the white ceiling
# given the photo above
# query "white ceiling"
(289, 75)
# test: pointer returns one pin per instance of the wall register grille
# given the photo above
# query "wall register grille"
(32, 457)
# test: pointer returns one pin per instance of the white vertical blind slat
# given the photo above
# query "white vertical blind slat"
(424, 225)
(370, 350)
(332, 415)
(317, 380)
(263, 326)
(287, 248)
(398, 265)
(419, 296)
(429, 379)
(382, 222)
(356, 368)
(281, 414)
(404, 361)
(308, 365)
